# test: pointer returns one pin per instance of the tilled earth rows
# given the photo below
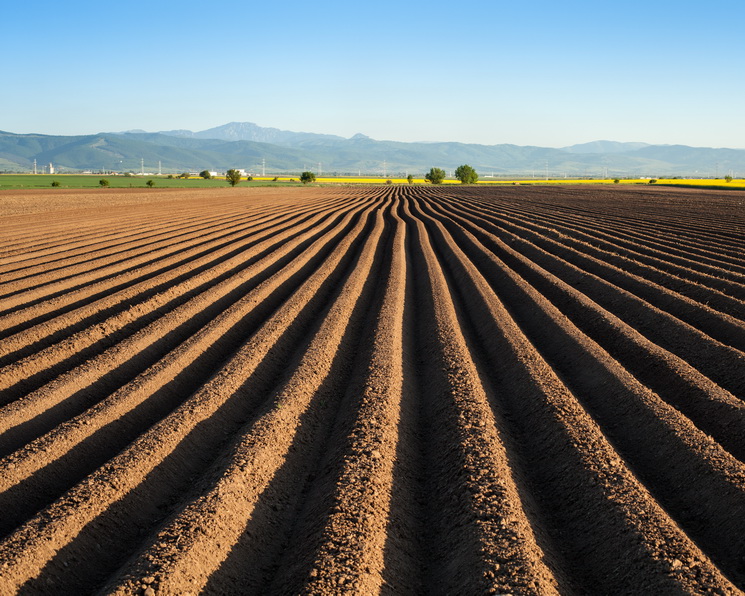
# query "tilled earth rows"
(409, 390)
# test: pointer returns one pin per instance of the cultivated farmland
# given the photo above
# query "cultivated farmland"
(396, 389)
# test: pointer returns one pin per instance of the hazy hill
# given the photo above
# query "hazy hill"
(245, 145)
(248, 131)
(604, 147)
(127, 151)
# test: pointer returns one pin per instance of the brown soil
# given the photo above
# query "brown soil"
(399, 390)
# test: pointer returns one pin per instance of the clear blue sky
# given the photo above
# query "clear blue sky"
(533, 72)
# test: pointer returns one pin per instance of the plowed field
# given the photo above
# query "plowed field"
(406, 390)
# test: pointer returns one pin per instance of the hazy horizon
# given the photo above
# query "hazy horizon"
(490, 73)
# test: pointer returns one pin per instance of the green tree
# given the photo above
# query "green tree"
(205, 174)
(233, 177)
(55, 183)
(307, 177)
(466, 174)
(410, 179)
(616, 181)
(150, 183)
(103, 182)
(435, 175)
(653, 181)
(728, 178)
(184, 176)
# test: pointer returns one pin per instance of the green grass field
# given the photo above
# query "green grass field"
(19, 181)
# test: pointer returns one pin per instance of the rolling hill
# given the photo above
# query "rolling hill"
(245, 145)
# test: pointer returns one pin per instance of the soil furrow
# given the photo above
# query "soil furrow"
(715, 411)
(690, 340)
(139, 486)
(145, 282)
(300, 499)
(71, 237)
(120, 235)
(121, 266)
(705, 237)
(479, 512)
(44, 363)
(615, 233)
(180, 559)
(728, 298)
(571, 293)
(391, 389)
(78, 389)
(117, 244)
(658, 444)
(115, 233)
(610, 512)
(101, 431)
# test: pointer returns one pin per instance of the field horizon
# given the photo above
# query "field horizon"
(81, 181)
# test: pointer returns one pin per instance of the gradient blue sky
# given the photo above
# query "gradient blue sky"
(530, 73)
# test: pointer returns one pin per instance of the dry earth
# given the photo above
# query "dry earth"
(399, 390)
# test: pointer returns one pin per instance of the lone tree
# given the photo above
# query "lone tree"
(466, 174)
(233, 177)
(205, 174)
(435, 175)
(103, 182)
(150, 183)
(410, 179)
(307, 177)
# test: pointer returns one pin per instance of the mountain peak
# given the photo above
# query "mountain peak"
(604, 147)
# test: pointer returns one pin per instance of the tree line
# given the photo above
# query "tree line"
(465, 173)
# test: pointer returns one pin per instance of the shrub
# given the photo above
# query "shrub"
(410, 179)
(653, 181)
(55, 183)
(233, 177)
(205, 174)
(728, 178)
(103, 183)
(435, 175)
(389, 181)
(466, 174)
(616, 181)
(170, 176)
(150, 183)
(307, 177)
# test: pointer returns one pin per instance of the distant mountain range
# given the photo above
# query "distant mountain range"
(247, 145)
